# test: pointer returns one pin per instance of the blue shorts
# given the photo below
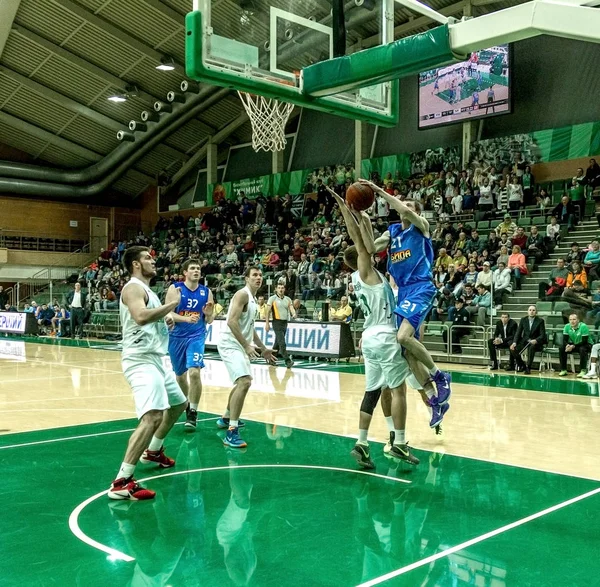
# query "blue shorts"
(186, 353)
(415, 303)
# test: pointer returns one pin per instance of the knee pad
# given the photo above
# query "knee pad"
(369, 402)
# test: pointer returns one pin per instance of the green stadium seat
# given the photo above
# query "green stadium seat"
(561, 306)
(483, 225)
(544, 308)
(524, 221)
(495, 223)
(595, 285)
(539, 221)
(555, 321)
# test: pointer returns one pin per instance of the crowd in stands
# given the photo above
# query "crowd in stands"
(474, 270)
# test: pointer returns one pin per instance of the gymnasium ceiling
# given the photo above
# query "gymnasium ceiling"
(62, 59)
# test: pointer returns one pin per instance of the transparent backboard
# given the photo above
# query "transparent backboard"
(270, 41)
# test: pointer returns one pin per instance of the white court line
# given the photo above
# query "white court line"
(74, 366)
(476, 540)
(130, 413)
(37, 442)
(116, 554)
(63, 399)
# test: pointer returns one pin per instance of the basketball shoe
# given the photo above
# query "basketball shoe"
(442, 382)
(159, 457)
(402, 453)
(361, 454)
(232, 438)
(191, 416)
(437, 413)
(128, 488)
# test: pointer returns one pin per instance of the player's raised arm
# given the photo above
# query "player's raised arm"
(134, 297)
(402, 209)
(173, 316)
(364, 254)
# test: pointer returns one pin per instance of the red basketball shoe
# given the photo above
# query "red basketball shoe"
(157, 456)
(128, 488)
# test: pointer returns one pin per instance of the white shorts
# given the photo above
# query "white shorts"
(384, 364)
(153, 383)
(236, 361)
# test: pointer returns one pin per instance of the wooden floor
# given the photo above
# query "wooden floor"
(46, 386)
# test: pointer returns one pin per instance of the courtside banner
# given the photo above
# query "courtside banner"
(13, 322)
(302, 338)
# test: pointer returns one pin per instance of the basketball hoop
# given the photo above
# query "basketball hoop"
(268, 117)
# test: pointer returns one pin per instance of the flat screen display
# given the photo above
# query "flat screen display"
(472, 89)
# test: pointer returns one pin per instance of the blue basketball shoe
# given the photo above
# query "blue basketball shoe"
(438, 413)
(442, 383)
(232, 439)
(223, 423)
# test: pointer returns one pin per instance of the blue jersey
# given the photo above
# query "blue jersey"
(410, 256)
(192, 303)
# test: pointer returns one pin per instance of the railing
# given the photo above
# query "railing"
(11, 239)
(43, 279)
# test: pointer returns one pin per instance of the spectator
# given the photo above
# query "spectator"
(507, 226)
(3, 297)
(556, 282)
(459, 258)
(591, 260)
(577, 193)
(501, 193)
(519, 238)
(481, 305)
(443, 259)
(332, 285)
(576, 339)
(313, 287)
(543, 200)
(460, 323)
(518, 265)
(530, 336)
(485, 276)
(502, 284)
(60, 316)
(577, 273)
(534, 247)
(300, 308)
(553, 233)
(353, 301)
(594, 313)
(108, 300)
(515, 194)
(564, 212)
(503, 255)
(76, 302)
(592, 174)
(45, 317)
(8, 308)
(261, 309)
(505, 331)
(486, 197)
(527, 181)
(443, 302)
(575, 254)
(343, 313)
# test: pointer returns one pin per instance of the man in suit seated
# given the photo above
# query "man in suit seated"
(504, 335)
(531, 335)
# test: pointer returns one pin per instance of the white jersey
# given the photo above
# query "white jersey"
(377, 303)
(151, 339)
(246, 323)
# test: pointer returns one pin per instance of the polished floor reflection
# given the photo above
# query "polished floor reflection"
(292, 509)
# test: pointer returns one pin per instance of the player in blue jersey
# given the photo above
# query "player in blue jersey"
(188, 334)
(410, 263)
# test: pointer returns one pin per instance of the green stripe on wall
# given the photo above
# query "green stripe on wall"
(581, 135)
(561, 139)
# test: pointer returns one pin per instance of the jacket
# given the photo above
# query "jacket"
(511, 330)
(71, 295)
(524, 334)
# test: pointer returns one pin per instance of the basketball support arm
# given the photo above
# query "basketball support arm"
(567, 18)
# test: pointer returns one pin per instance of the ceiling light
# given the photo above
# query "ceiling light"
(166, 64)
(130, 92)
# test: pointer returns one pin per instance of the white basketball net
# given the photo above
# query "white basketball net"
(268, 117)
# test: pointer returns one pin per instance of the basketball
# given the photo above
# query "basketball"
(360, 196)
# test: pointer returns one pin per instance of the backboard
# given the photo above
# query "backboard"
(261, 46)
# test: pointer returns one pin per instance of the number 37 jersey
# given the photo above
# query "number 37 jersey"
(377, 303)
(192, 303)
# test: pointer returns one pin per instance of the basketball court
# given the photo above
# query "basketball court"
(497, 500)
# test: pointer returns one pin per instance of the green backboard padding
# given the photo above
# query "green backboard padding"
(401, 58)
(196, 70)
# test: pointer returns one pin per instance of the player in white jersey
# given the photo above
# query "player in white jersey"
(237, 345)
(384, 364)
(158, 398)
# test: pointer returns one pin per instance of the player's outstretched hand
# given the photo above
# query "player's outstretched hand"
(169, 321)
(269, 356)
(251, 352)
(372, 185)
(209, 308)
(193, 318)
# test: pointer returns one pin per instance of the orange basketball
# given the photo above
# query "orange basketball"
(360, 196)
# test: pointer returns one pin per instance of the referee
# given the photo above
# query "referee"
(280, 306)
